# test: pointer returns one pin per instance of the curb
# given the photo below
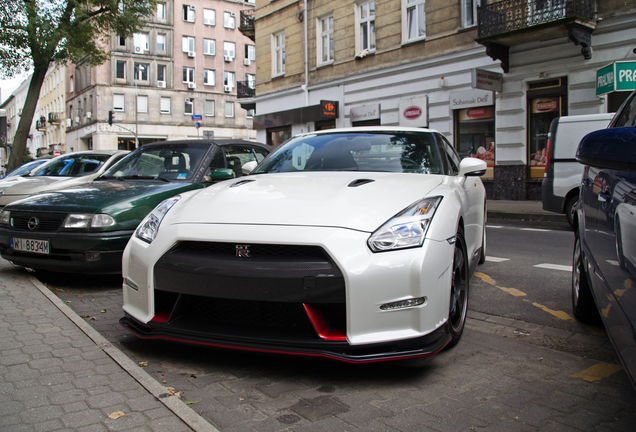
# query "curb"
(174, 404)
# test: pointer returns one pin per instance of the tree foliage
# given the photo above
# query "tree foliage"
(35, 33)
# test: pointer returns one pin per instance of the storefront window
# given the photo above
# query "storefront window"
(542, 111)
(476, 135)
(277, 136)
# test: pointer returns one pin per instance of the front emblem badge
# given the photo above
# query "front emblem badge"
(243, 251)
(33, 223)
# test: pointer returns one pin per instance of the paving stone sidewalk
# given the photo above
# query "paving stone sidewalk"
(58, 374)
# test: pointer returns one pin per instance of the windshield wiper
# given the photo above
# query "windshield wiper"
(143, 177)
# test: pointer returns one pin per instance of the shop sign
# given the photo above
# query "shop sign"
(545, 104)
(365, 112)
(413, 112)
(487, 80)
(618, 76)
(477, 113)
(328, 109)
(471, 98)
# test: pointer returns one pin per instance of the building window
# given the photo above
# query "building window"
(121, 41)
(250, 52)
(228, 79)
(188, 13)
(209, 108)
(161, 42)
(250, 79)
(188, 75)
(121, 70)
(415, 19)
(118, 102)
(161, 72)
(229, 49)
(161, 11)
(229, 20)
(277, 136)
(208, 77)
(249, 113)
(325, 40)
(229, 109)
(71, 85)
(209, 46)
(165, 105)
(187, 44)
(141, 71)
(142, 104)
(141, 42)
(278, 60)
(366, 26)
(209, 17)
(469, 12)
(188, 106)
(475, 135)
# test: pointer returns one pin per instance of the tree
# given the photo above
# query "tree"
(35, 33)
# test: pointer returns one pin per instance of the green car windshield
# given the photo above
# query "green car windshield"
(400, 152)
(162, 162)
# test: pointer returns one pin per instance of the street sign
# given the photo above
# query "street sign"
(617, 76)
(197, 117)
(197, 125)
(485, 80)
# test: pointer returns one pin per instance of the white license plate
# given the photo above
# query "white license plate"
(30, 245)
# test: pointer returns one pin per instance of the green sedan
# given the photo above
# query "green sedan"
(84, 229)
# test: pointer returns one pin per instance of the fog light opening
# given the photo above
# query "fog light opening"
(131, 284)
(93, 256)
(403, 304)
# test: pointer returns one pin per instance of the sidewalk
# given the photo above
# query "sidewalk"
(58, 373)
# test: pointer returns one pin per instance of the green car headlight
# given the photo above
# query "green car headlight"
(5, 218)
(83, 221)
(406, 229)
(148, 228)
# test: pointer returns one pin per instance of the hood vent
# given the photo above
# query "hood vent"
(241, 183)
(360, 182)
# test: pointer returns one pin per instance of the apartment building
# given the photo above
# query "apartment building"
(175, 79)
(440, 64)
(12, 108)
(50, 114)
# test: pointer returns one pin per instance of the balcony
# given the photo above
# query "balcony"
(40, 124)
(246, 24)
(54, 117)
(245, 89)
(513, 22)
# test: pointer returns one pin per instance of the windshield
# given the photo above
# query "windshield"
(401, 152)
(26, 168)
(163, 162)
(73, 165)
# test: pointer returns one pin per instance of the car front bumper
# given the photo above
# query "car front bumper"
(95, 253)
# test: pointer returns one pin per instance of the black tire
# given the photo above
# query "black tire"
(569, 209)
(583, 305)
(459, 292)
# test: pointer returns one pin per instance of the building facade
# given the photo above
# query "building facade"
(426, 63)
(174, 79)
(50, 114)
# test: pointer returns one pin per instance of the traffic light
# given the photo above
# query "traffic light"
(110, 118)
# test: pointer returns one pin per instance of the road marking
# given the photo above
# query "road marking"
(555, 267)
(614, 263)
(496, 259)
(597, 372)
(535, 229)
(494, 226)
(559, 314)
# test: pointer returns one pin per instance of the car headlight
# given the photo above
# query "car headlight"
(406, 229)
(148, 228)
(82, 220)
(5, 218)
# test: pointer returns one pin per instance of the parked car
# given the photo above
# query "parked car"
(604, 258)
(84, 229)
(562, 180)
(58, 173)
(351, 244)
(26, 168)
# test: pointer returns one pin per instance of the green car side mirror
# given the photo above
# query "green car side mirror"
(219, 174)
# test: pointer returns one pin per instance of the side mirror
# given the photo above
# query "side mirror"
(472, 167)
(249, 167)
(219, 174)
(609, 148)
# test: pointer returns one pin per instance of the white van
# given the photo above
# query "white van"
(562, 178)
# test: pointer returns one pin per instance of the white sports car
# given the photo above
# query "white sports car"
(352, 244)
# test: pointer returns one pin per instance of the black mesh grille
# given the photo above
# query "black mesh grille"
(21, 222)
(256, 250)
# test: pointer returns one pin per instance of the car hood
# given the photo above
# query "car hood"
(127, 201)
(360, 201)
(19, 185)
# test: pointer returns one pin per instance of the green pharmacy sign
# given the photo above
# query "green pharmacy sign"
(618, 76)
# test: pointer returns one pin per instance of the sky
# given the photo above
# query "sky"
(9, 86)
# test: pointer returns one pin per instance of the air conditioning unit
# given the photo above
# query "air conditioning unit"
(191, 54)
(89, 114)
(68, 122)
(192, 7)
(77, 119)
(161, 84)
(227, 58)
(138, 49)
(192, 85)
(232, 14)
(247, 62)
(227, 89)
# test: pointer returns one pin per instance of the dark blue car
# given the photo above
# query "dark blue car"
(604, 258)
